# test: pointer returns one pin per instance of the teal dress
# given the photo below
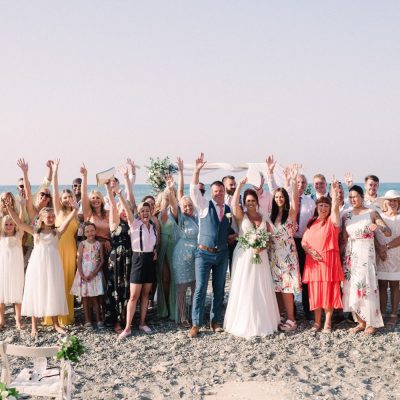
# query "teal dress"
(165, 253)
(183, 258)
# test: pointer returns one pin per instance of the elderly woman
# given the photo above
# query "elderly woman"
(323, 269)
(360, 287)
(388, 249)
(187, 227)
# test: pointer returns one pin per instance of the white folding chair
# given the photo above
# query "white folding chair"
(56, 383)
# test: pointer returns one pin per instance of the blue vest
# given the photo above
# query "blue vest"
(212, 231)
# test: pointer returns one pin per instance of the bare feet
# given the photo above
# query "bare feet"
(358, 328)
(19, 325)
(34, 333)
(370, 330)
(58, 329)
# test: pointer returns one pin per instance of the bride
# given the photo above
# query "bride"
(252, 307)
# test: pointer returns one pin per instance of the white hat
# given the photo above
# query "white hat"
(389, 195)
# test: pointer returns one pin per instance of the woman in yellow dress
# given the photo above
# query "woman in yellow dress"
(67, 243)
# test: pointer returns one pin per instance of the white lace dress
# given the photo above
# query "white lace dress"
(252, 307)
(44, 292)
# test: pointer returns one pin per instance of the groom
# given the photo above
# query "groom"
(212, 251)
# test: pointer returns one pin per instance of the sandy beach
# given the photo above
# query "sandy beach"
(167, 364)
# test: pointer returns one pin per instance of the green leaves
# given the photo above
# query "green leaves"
(71, 349)
(8, 393)
(157, 170)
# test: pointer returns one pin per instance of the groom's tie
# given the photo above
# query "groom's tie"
(221, 211)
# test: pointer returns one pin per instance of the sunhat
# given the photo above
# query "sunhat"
(389, 195)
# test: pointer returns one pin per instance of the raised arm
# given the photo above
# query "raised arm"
(28, 190)
(84, 198)
(129, 213)
(131, 168)
(73, 214)
(199, 201)
(236, 209)
(348, 178)
(56, 193)
(271, 162)
(181, 182)
(335, 210)
(294, 206)
(22, 225)
(113, 215)
(169, 180)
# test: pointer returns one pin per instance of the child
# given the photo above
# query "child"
(11, 269)
(88, 282)
(44, 291)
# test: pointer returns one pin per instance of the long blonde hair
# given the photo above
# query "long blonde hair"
(39, 221)
(4, 219)
(102, 210)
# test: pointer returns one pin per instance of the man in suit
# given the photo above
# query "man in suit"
(212, 253)
(320, 187)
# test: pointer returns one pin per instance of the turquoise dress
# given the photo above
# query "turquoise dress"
(165, 252)
(183, 258)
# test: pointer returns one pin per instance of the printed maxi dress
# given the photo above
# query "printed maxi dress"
(360, 286)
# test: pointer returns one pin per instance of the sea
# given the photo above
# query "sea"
(141, 190)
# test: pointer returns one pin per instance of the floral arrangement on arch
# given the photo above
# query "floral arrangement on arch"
(157, 170)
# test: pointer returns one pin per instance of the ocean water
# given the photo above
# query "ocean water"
(142, 190)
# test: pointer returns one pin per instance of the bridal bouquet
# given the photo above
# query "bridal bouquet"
(255, 239)
(157, 170)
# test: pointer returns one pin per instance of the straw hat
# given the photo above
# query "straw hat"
(389, 195)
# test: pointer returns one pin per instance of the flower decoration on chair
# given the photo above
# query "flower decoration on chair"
(157, 170)
(8, 393)
(257, 240)
(71, 349)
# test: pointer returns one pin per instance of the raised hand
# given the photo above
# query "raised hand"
(270, 164)
(348, 178)
(169, 181)
(243, 181)
(83, 170)
(131, 166)
(180, 163)
(123, 170)
(49, 164)
(54, 164)
(74, 204)
(23, 165)
(199, 163)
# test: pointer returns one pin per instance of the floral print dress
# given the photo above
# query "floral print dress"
(360, 287)
(283, 258)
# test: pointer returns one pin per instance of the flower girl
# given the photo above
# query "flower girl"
(44, 291)
(11, 269)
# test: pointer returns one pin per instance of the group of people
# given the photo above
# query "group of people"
(115, 254)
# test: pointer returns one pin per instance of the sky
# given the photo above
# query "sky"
(312, 82)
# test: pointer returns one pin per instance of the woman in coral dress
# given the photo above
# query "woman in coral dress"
(360, 287)
(323, 269)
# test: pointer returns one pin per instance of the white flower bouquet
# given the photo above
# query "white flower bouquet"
(8, 393)
(256, 239)
(157, 170)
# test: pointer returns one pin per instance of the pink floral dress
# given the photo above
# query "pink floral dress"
(360, 287)
(283, 258)
(90, 260)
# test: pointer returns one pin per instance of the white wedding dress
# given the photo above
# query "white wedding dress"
(252, 306)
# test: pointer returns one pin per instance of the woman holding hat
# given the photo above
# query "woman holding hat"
(388, 250)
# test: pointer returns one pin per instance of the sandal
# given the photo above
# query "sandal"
(316, 327)
(88, 325)
(123, 335)
(118, 329)
(358, 328)
(145, 329)
(392, 321)
(185, 324)
(288, 326)
(327, 329)
(370, 330)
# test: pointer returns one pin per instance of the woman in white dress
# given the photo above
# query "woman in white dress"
(11, 269)
(360, 286)
(44, 291)
(388, 250)
(252, 307)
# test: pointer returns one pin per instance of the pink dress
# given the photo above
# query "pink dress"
(323, 277)
(90, 260)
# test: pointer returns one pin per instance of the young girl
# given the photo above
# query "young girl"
(44, 291)
(11, 269)
(88, 282)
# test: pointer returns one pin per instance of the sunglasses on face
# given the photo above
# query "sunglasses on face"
(202, 191)
(76, 185)
(21, 186)
(44, 194)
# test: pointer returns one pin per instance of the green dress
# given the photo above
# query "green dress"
(165, 253)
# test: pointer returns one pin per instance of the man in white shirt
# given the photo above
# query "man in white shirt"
(306, 212)
(371, 187)
(320, 187)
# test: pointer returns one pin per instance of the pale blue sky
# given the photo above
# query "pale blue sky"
(315, 82)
